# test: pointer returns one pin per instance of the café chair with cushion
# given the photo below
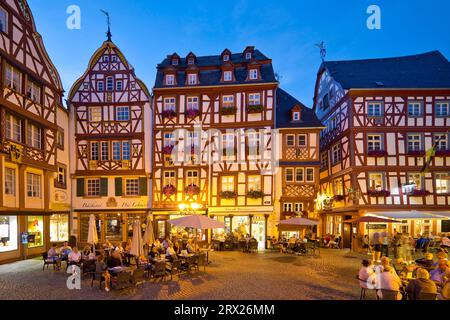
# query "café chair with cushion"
(159, 270)
(123, 280)
(201, 261)
(97, 276)
(88, 266)
(137, 277)
(48, 261)
(174, 268)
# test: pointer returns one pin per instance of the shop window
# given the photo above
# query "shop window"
(113, 227)
(241, 225)
(422, 227)
(35, 231)
(131, 219)
(84, 227)
(59, 227)
(8, 233)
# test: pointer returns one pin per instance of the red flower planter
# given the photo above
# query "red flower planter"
(169, 190)
(376, 153)
(168, 149)
(380, 193)
(192, 113)
(419, 193)
(169, 114)
(192, 190)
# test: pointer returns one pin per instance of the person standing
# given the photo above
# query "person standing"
(384, 244)
(376, 244)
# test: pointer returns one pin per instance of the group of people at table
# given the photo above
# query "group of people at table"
(110, 259)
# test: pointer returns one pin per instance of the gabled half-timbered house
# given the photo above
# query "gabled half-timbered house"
(34, 202)
(110, 118)
(381, 118)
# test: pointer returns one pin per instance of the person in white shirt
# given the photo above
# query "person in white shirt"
(367, 276)
(74, 256)
(390, 281)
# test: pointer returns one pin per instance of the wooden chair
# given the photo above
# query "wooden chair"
(159, 270)
(48, 261)
(97, 276)
(123, 280)
(137, 277)
(174, 268)
(201, 261)
(191, 262)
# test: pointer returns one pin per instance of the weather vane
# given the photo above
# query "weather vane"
(323, 50)
(108, 19)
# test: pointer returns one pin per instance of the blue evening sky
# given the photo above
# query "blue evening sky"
(286, 31)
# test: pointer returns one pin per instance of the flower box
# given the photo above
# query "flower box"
(192, 113)
(418, 193)
(192, 190)
(255, 194)
(169, 114)
(255, 108)
(228, 195)
(442, 153)
(227, 111)
(339, 197)
(168, 149)
(169, 190)
(379, 193)
(416, 153)
(376, 153)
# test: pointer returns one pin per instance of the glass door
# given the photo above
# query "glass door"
(259, 231)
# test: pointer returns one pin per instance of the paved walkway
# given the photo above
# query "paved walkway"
(232, 275)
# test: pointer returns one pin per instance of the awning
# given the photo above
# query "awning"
(405, 215)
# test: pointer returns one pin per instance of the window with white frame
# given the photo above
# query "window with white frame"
(309, 174)
(132, 187)
(336, 153)
(119, 85)
(33, 91)
(228, 144)
(289, 175)
(253, 143)
(10, 181)
(105, 150)
(116, 150)
(442, 109)
(3, 20)
(61, 176)
(100, 86)
(376, 181)
(33, 185)
(290, 140)
(253, 74)
(13, 128)
(414, 109)
(296, 116)
(174, 62)
(301, 140)
(94, 150)
(109, 83)
(169, 139)
(375, 109)
(13, 78)
(114, 58)
(414, 142)
(442, 180)
(192, 79)
(227, 75)
(126, 150)
(441, 141)
(192, 177)
(226, 57)
(254, 183)
(95, 114)
(191, 61)
(299, 177)
(415, 179)
(298, 207)
(254, 99)
(192, 103)
(170, 79)
(227, 183)
(34, 136)
(374, 142)
(228, 101)
(248, 55)
(93, 187)
(169, 104)
(338, 187)
(123, 113)
(105, 58)
(287, 207)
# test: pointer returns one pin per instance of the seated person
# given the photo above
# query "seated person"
(115, 260)
(421, 284)
(445, 242)
(441, 255)
(386, 262)
(86, 251)
(74, 257)
(366, 274)
(441, 274)
(53, 255)
(102, 269)
(153, 252)
(426, 261)
(388, 280)
(171, 255)
(65, 250)
(191, 246)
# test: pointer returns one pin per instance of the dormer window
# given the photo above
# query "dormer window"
(226, 58)
(227, 76)
(191, 61)
(253, 74)
(248, 56)
(296, 116)
(174, 62)
(106, 59)
(170, 80)
(192, 79)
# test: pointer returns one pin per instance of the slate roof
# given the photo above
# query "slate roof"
(285, 103)
(212, 76)
(429, 70)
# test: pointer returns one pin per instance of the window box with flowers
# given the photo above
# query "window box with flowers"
(255, 194)
(192, 190)
(228, 111)
(379, 193)
(228, 194)
(376, 153)
(338, 197)
(416, 153)
(192, 113)
(257, 108)
(169, 114)
(442, 153)
(169, 190)
(418, 193)
(168, 149)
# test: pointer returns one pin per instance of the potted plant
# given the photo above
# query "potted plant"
(379, 193)
(169, 190)
(192, 190)
(168, 149)
(228, 194)
(169, 114)
(376, 153)
(227, 111)
(442, 153)
(255, 108)
(418, 193)
(255, 194)
(192, 113)
(416, 153)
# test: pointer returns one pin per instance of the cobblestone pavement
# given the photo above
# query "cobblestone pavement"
(231, 275)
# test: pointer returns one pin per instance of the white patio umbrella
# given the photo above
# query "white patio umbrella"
(300, 222)
(137, 245)
(92, 231)
(149, 236)
(197, 222)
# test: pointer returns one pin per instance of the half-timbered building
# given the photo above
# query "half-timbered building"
(110, 118)
(34, 202)
(381, 118)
